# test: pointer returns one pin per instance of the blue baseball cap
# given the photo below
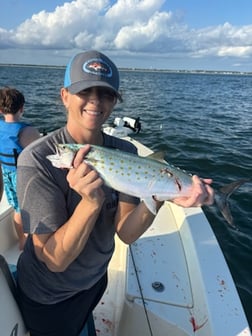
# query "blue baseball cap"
(91, 68)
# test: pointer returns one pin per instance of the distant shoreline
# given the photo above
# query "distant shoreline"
(207, 72)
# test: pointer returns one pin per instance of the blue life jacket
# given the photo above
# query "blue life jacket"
(10, 147)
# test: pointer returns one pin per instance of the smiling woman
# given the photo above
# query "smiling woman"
(71, 233)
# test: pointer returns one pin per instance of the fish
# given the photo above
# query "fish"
(149, 178)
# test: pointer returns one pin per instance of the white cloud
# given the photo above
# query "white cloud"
(129, 11)
(235, 51)
(126, 26)
(64, 27)
(139, 35)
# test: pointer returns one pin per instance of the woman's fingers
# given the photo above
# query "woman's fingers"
(201, 194)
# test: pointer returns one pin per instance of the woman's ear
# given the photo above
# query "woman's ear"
(64, 96)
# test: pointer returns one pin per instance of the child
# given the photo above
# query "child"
(15, 135)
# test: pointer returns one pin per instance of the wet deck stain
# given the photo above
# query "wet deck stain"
(195, 325)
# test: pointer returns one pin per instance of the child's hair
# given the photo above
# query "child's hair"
(11, 100)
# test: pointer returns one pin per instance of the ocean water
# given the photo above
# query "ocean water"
(202, 122)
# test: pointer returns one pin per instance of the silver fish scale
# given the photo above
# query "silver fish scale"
(143, 177)
(135, 175)
(131, 174)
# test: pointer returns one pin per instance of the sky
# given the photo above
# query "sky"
(152, 34)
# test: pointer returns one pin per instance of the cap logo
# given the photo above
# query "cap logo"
(97, 66)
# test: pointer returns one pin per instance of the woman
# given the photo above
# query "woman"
(71, 216)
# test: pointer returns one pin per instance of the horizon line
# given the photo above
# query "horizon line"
(201, 71)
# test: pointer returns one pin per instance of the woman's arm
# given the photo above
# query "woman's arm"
(59, 249)
(132, 221)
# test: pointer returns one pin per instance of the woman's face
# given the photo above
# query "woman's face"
(90, 108)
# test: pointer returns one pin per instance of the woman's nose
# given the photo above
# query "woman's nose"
(94, 99)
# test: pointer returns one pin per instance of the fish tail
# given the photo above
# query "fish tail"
(221, 198)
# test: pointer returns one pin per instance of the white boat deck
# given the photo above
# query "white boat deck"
(185, 284)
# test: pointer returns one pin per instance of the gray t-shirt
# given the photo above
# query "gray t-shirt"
(46, 203)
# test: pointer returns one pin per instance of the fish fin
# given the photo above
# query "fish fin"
(150, 204)
(222, 196)
(157, 156)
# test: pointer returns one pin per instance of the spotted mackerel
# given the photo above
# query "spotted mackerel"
(149, 178)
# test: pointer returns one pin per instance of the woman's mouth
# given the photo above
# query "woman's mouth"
(93, 113)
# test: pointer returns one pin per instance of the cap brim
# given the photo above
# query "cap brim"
(83, 85)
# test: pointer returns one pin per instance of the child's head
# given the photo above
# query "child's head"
(11, 100)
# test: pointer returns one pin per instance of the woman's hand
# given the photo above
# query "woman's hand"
(202, 194)
(85, 180)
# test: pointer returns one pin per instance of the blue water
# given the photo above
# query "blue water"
(202, 121)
